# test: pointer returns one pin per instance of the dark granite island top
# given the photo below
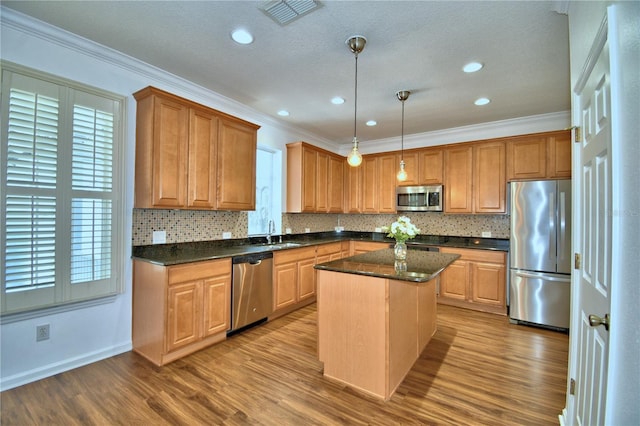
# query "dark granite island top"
(420, 266)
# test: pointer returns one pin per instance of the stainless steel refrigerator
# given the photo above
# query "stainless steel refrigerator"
(540, 252)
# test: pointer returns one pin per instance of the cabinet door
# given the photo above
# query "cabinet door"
(306, 279)
(285, 289)
(388, 166)
(321, 181)
(236, 166)
(353, 192)
(430, 166)
(489, 182)
(527, 158)
(170, 127)
(488, 284)
(458, 180)
(454, 280)
(203, 138)
(217, 301)
(183, 316)
(412, 167)
(370, 188)
(336, 184)
(559, 150)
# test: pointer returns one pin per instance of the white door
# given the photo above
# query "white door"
(592, 280)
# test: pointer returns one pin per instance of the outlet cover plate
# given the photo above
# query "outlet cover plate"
(159, 237)
(486, 234)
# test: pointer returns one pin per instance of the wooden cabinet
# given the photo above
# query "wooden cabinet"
(179, 309)
(370, 172)
(358, 247)
(353, 189)
(477, 280)
(293, 276)
(430, 166)
(236, 166)
(189, 156)
(489, 179)
(458, 162)
(539, 156)
(475, 178)
(388, 166)
(559, 155)
(315, 180)
(411, 166)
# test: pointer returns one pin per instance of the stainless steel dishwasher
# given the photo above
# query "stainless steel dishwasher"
(251, 291)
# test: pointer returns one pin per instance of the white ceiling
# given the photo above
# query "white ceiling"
(419, 46)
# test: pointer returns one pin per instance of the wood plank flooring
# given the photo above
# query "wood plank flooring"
(478, 370)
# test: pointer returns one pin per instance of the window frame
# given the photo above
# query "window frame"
(64, 295)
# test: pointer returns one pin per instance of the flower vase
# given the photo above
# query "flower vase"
(400, 250)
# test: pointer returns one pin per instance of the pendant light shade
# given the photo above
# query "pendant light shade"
(356, 45)
(402, 96)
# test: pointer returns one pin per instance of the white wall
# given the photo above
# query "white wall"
(83, 336)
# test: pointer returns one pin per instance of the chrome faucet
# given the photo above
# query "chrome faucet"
(271, 229)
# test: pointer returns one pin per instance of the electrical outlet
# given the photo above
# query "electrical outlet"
(339, 228)
(159, 237)
(42, 332)
(307, 230)
(226, 235)
(378, 229)
(486, 234)
(287, 230)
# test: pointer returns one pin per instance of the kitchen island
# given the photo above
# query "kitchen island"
(376, 315)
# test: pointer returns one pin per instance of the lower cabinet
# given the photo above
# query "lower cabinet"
(179, 309)
(359, 247)
(294, 276)
(477, 280)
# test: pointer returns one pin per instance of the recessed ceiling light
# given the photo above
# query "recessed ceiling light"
(472, 67)
(283, 113)
(482, 101)
(337, 100)
(242, 36)
(371, 123)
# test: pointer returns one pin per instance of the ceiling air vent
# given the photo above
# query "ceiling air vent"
(286, 11)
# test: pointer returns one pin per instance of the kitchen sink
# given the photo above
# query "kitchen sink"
(283, 245)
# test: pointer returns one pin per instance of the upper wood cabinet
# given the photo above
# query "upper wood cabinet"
(315, 179)
(369, 191)
(411, 166)
(379, 183)
(189, 156)
(539, 156)
(353, 189)
(458, 162)
(236, 166)
(475, 178)
(430, 166)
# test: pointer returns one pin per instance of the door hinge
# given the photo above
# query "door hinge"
(577, 133)
(572, 387)
(576, 261)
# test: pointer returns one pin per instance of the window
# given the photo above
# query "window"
(61, 191)
(268, 192)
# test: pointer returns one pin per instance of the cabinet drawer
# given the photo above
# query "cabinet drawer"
(330, 248)
(477, 255)
(293, 255)
(199, 270)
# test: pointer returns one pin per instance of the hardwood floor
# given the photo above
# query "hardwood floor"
(478, 369)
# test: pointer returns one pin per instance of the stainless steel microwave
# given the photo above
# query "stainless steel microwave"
(419, 198)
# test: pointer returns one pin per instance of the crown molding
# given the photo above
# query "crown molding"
(494, 129)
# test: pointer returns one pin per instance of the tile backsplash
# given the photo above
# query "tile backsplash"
(196, 225)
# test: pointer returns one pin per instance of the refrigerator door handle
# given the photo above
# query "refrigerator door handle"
(541, 275)
(562, 224)
(552, 227)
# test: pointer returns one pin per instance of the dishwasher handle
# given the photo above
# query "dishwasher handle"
(253, 259)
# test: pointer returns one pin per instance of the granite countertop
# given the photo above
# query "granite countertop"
(177, 253)
(420, 266)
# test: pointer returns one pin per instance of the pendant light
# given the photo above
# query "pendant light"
(356, 45)
(402, 96)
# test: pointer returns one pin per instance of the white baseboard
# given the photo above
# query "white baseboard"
(60, 367)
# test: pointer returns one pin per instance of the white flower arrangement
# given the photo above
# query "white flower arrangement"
(402, 230)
